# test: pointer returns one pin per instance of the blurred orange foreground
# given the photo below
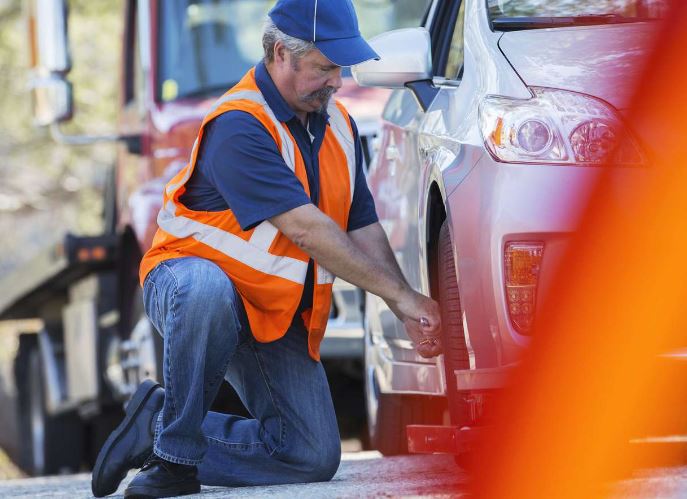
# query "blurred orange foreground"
(594, 377)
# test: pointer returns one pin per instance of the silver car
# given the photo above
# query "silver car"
(503, 114)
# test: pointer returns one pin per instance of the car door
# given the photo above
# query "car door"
(397, 179)
(452, 146)
(390, 186)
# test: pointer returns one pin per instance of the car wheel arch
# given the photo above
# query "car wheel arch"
(435, 216)
(436, 211)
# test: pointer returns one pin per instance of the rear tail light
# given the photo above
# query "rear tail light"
(522, 264)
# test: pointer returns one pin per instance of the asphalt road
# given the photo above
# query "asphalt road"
(363, 474)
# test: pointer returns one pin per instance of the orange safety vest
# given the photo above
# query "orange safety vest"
(266, 267)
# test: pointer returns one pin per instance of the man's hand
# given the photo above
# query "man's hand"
(414, 309)
(422, 320)
(364, 258)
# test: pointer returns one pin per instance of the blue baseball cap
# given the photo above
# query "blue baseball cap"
(330, 24)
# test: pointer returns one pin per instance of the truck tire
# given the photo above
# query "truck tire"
(452, 335)
(151, 351)
(98, 430)
(48, 445)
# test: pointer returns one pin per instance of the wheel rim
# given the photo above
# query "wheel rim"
(37, 418)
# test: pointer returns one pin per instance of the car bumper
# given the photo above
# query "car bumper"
(497, 204)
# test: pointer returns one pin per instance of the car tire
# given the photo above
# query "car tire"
(48, 444)
(394, 413)
(452, 335)
(388, 414)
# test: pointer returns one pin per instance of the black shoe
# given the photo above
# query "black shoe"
(160, 478)
(132, 441)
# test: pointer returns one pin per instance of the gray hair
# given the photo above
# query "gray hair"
(271, 35)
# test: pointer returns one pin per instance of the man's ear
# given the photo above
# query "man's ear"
(279, 52)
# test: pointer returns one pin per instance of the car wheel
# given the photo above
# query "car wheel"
(388, 414)
(49, 444)
(394, 413)
(453, 338)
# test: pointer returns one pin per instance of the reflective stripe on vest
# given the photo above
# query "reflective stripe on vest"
(342, 132)
(255, 253)
(243, 251)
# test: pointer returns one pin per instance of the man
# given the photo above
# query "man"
(238, 281)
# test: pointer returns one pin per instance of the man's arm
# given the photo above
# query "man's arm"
(318, 235)
(372, 241)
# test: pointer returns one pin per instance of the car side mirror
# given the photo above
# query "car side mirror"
(52, 95)
(405, 62)
(405, 56)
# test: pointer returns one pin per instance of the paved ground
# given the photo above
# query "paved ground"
(363, 474)
(656, 482)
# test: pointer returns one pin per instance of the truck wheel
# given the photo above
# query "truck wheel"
(98, 430)
(149, 342)
(48, 444)
(452, 335)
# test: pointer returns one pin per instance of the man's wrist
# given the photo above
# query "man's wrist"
(398, 289)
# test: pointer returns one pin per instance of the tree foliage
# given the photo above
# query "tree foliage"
(46, 188)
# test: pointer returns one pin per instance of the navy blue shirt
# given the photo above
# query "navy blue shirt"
(240, 167)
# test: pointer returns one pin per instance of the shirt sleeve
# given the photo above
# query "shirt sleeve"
(362, 212)
(244, 164)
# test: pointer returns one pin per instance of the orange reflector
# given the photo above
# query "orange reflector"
(98, 253)
(83, 254)
(522, 264)
(496, 134)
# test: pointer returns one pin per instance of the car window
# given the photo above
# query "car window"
(456, 55)
(207, 45)
(641, 9)
(378, 16)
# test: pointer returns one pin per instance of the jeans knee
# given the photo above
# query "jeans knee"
(204, 289)
(209, 288)
(328, 467)
(323, 464)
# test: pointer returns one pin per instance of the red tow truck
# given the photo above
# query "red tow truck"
(96, 343)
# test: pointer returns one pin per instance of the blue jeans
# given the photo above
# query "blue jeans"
(293, 437)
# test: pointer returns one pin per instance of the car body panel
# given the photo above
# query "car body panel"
(487, 203)
(418, 149)
(595, 60)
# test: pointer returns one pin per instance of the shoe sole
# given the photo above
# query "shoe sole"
(132, 410)
(140, 492)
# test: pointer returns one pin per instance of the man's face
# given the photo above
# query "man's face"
(311, 81)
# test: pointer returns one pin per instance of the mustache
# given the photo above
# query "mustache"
(323, 94)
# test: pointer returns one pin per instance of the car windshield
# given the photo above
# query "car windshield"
(206, 46)
(599, 11)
